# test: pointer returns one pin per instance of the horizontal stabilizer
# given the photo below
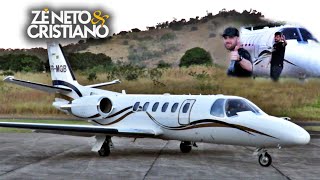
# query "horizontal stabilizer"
(117, 81)
(37, 86)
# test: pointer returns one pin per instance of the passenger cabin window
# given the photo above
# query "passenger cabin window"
(233, 106)
(164, 107)
(155, 106)
(185, 108)
(136, 106)
(217, 108)
(145, 106)
(174, 107)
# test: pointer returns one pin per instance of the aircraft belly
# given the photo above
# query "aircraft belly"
(217, 135)
(263, 141)
(223, 135)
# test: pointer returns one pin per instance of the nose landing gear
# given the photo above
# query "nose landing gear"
(264, 157)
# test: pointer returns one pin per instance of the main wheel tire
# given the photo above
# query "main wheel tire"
(185, 147)
(105, 150)
(265, 160)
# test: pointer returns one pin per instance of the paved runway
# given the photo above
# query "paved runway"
(45, 156)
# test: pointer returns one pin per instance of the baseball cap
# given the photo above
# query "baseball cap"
(231, 32)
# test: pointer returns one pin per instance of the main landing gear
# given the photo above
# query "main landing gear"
(264, 157)
(186, 146)
(105, 148)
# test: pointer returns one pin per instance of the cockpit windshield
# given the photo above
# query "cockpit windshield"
(233, 106)
(299, 34)
(306, 35)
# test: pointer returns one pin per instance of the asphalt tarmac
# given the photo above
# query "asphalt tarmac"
(47, 156)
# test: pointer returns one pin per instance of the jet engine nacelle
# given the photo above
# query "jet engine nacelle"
(91, 106)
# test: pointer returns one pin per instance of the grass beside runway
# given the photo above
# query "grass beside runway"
(18, 130)
(312, 128)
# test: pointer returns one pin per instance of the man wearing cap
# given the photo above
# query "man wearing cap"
(240, 59)
(277, 58)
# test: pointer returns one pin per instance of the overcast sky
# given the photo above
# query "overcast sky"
(128, 14)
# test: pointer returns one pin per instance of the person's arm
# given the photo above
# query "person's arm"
(283, 38)
(246, 64)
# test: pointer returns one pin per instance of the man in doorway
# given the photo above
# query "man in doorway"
(277, 58)
(240, 59)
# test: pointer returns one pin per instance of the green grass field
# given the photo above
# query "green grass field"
(289, 97)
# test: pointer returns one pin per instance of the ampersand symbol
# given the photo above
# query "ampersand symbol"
(97, 18)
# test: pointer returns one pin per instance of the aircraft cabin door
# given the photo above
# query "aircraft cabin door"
(184, 112)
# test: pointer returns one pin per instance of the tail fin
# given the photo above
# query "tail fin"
(59, 65)
(61, 72)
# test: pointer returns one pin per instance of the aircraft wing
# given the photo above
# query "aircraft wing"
(82, 129)
(37, 86)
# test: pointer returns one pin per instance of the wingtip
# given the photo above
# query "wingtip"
(8, 78)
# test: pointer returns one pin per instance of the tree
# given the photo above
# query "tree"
(21, 62)
(195, 56)
(88, 60)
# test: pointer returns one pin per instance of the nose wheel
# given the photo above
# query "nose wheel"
(264, 157)
(265, 160)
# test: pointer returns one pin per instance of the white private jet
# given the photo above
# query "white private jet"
(215, 119)
(302, 55)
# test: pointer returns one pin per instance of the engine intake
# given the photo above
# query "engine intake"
(91, 106)
(105, 105)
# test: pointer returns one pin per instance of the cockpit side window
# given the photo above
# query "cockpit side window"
(233, 106)
(217, 108)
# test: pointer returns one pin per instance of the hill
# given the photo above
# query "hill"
(166, 41)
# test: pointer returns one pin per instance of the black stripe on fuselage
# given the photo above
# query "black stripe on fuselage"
(115, 114)
(63, 83)
(195, 124)
(119, 112)
(289, 62)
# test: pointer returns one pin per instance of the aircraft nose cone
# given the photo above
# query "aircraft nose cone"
(301, 138)
(295, 135)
